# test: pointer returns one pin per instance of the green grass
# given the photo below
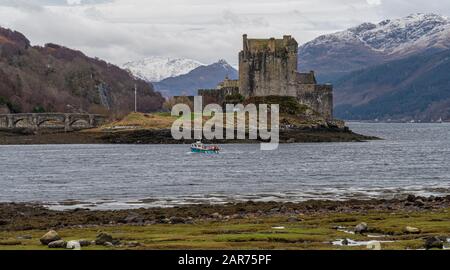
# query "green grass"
(313, 232)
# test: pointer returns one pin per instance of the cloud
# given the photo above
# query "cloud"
(205, 30)
(374, 2)
(25, 5)
(41, 3)
(399, 8)
(73, 2)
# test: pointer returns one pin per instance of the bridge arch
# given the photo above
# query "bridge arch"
(41, 119)
(36, 120)
(80, 121)
(16, 121)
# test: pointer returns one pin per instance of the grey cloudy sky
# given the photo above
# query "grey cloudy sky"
(205, 30)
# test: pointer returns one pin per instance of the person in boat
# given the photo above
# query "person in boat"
(201, 146)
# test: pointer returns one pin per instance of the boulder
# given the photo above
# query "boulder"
(189, 220)
(103, 238)
(133, 244)
(216, 215)
(133, 218)
(361, 228)
(49, 237)
(434, 242)
(274, 210)
(177, 220)
(74, 245)
(411, 198)
(419, 202)
(57, 244)
(116, 242)
(411, 230)
(237, 216)
(85, 243)
(164, 221)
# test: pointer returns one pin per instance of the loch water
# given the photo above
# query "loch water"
(412, 159)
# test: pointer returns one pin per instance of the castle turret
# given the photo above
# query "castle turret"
(272, 45)
(245, 43)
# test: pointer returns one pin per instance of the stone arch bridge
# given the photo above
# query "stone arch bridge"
(36, 120)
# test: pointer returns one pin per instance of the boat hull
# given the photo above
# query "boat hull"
(204, 151)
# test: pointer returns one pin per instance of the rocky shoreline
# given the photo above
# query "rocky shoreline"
(163, 136)
(26, 216)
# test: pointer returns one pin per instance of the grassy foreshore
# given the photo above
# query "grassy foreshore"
(271, 225)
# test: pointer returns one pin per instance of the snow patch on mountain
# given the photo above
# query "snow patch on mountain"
(156, 69)
(224, 64)
(399, 36)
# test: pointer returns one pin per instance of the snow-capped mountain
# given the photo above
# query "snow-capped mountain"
(396, 69)
(155, 68)
(202, 77)
(369, 44)
(399, 36)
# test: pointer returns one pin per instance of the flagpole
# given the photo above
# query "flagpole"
(135, 98)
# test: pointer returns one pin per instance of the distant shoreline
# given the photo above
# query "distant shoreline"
(163, 136)
(203, 211)
(394, 122)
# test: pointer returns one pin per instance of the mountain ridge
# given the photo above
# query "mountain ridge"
(54, 78)
(368, 44)
(421, 91)
(202, 77)
(156, 68)
(377, 68)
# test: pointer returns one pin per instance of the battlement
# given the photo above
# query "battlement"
(203, 92)
(324, 88)
(227, 83)
(306, 78)
(287, 43)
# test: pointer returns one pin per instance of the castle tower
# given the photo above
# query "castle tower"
(268, 66)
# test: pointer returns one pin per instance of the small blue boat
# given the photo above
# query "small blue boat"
(199, 147)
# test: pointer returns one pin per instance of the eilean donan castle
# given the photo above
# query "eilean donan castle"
(268, 67)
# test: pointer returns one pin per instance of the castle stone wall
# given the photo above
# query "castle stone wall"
(217, 96)
(268, 67)
(318, 97)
